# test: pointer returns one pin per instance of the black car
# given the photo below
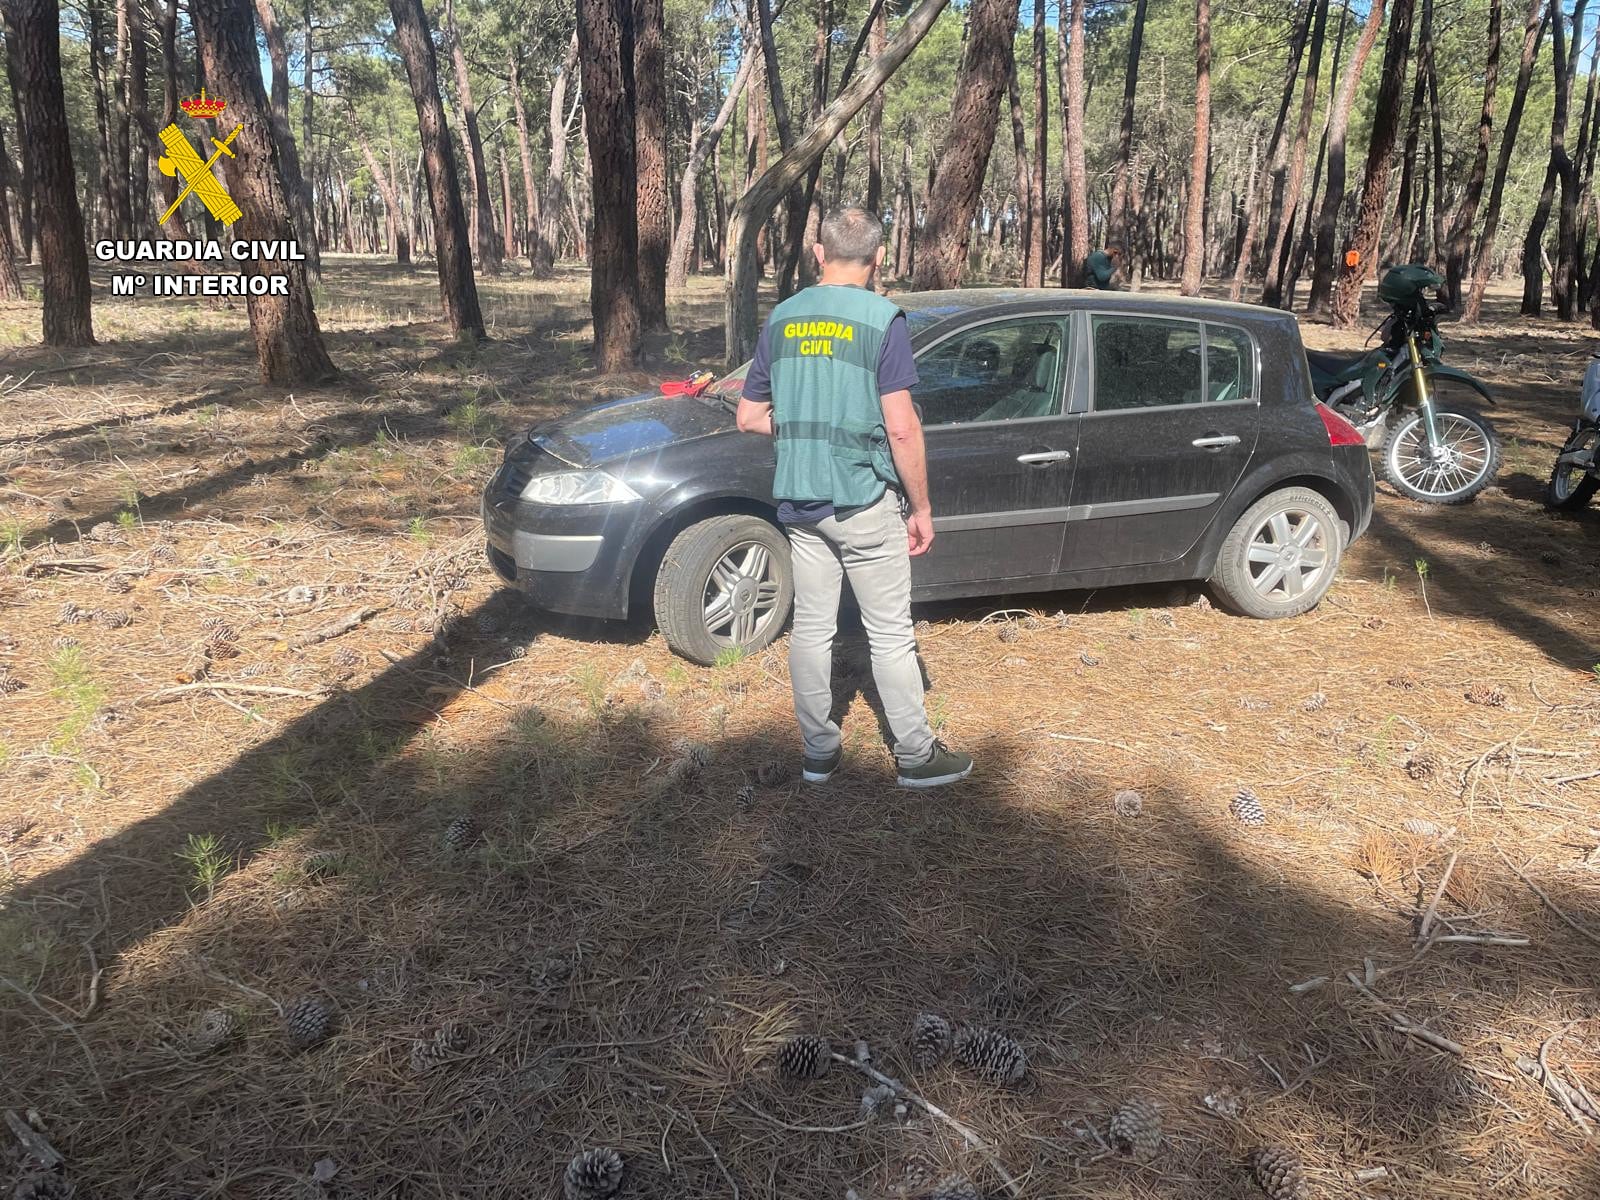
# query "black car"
(1075, 439)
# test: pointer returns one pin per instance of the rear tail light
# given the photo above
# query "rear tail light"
(1340, 431)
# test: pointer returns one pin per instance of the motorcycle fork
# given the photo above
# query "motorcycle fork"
(1424, 400)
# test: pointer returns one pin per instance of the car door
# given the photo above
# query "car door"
(1000, 450)
(1169, 421)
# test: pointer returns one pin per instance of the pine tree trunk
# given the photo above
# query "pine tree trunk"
(985, 68)
(1077, 167)
(136, 101)
(488, 244)
(702, 143)
(1380, 152)
(308, 62)
(530, 189)
(1399, 239)
(879, 38)
(289, 345)
(1322, 259)
(1563, 284)
(1118, 218)
(555, 182)
(10, 283)
(14, 78)
(1472, 193)
(121, 144)
(1022, 185)
(606, 56)
(508, 224)
(1037, 217)
(1194, 226)
(457, 289)
(650, 142)
(34, 26)
(175, 227)
(1278, 237)
(288, 152)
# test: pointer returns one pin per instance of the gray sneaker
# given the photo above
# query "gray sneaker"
(820, 770)
(944, 766)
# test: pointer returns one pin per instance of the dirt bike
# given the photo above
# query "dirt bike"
(1405, 400)
(1576, 477)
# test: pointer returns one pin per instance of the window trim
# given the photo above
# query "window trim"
(1063, 318)
(1088, 364)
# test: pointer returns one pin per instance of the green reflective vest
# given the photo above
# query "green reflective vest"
(824, 344)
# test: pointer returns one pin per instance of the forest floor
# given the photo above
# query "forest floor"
(253, 664)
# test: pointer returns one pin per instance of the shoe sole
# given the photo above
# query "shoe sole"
(817, 776)
(936, 780)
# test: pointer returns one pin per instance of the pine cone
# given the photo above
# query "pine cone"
(745, 797)
(113, 618)
(955, 1187)
(461, 833)
(805, 1056)
(1246, 808)
(163, 552)
(1136, 1130)
(1089, 660)
(488, 624)
(9, 683)
(1279, 1173)
(772, 772)
(344, 656)
(593, 1175)
(45, 1186)
(930, 1040)
(1008, 632)
(325, 864)
(70, 614)
(118, 584)
(211, 1029)
(919, 1176)
(308, 1021)
(1127, 803)
(1486, 693)
(1421, 765)
(448, 1041)
(991, 1054)
(1315, 702)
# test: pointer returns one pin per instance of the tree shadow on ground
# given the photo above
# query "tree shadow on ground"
(629, 939)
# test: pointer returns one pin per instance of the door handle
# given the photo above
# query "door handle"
(1044, 458)
(1215, 441)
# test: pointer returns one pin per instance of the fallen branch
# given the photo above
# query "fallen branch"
(1573, 778)
(253, 689)
(34, 1144)
(54, 566)
(344, 624)
(1402, 1023)
(774, 1121)
(1580, 929)
(1438, 894)
(968, 1135)
(1068, 737)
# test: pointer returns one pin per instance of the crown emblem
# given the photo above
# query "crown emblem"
(203, 107)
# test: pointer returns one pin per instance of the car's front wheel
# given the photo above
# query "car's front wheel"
(1280, 557)
(725, 584)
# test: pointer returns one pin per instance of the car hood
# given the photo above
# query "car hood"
(623, 429)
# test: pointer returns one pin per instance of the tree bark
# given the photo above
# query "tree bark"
(120, 195)
(1077, 167)
(14, 78)
(1563, 284)
(175, 227)
(530, 189)
(508, 227)
(758, 201)
(288, 152)
(1283, 220)
(606, 56)
(136, 101)
(1117, 222)
(985, 68)
(1472, 193)
(1194, 225)
(1532, 34)
(34, 26)
(879, 37)
(1322, 259)
(555, 181)
(457, 289)
(289, 345)
(1380, 152)
(702, 143)
(650, 91)
(1399, 237)
(10, 283)
(307, 95)
(1037, 218)
(1023, 186)
(394, 210)
(488, 245)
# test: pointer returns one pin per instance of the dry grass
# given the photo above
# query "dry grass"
(627, 942)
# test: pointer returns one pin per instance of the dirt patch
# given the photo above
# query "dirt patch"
(255, 673)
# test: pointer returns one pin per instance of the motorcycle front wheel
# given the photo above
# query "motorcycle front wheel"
(1463, 465)
(1573, 485)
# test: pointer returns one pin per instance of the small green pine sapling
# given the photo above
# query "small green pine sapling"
(1422, 576)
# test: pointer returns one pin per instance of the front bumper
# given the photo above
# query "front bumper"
(577, 561)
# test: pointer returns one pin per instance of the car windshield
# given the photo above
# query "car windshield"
(725, 391)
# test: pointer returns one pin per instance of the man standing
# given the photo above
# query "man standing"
(832, 380)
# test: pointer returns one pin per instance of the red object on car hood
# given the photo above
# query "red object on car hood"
(692, 386)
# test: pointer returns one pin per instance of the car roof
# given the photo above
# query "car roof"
(927, 309)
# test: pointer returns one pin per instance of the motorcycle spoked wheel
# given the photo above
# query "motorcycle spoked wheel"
(1571, 487)
(1468, 459)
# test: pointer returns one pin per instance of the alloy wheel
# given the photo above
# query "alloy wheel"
(1289, 553)
(741, 595)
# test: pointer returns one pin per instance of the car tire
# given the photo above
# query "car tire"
(737, 556)
(1257, 575)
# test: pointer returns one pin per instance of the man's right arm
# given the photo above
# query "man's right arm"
(904, 427)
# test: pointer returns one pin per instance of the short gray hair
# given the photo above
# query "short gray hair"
(851, 234)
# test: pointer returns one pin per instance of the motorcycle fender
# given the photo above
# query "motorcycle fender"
(1460, 377)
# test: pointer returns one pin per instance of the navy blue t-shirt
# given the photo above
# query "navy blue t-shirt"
(897, 371)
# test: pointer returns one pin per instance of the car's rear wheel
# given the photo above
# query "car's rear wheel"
(1280, 557)
(725, 584)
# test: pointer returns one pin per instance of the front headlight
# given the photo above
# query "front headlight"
(577, 487)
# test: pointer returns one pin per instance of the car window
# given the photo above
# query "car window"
(1146, 362)
(1004, 371)
(1230, 365)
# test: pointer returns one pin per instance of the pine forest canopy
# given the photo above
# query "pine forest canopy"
(1216, 146)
